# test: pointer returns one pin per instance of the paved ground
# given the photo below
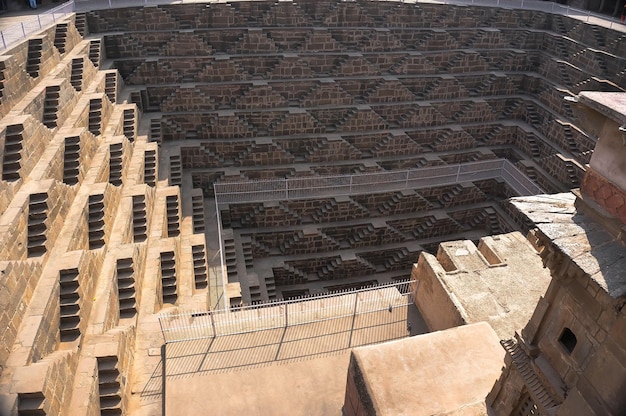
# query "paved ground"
(307, 388)
(235, 351)
(299, 370)
(15, 25)
(10, 19)
(316, 354)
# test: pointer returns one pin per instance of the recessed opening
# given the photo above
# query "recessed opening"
(568, 340)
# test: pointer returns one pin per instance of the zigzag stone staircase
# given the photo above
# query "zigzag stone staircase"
(102, 146)
(82, 214)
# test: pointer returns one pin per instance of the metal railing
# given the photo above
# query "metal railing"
(319, 309)
(518, 181)
(539, 5)
(222, 301)
(10, 36)
(22, 30)
(218, 341)
(550, 7)
(330, 186)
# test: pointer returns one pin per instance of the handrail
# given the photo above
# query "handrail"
(369, 183)
(22, 30)
(10, 36)
(539, 5)
(318, 308)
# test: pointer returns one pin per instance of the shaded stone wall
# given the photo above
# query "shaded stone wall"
(19, 279)
(569, 377)
(566, 359)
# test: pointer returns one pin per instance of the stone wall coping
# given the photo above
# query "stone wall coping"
(612, 104)
(591, 248)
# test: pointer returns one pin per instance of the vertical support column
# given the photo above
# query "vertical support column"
(213, 324)
(286, 315)
(163, 376)
(356, 301)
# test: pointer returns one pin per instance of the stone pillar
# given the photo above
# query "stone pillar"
(603, 190)
(604, 115)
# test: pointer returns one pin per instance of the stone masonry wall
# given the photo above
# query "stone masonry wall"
(431, 85)
(67, 151)
(16, 290)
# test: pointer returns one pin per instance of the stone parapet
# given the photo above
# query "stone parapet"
(572, 342)
(452, 284)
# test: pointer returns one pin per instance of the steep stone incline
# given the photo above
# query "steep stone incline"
(90, 240)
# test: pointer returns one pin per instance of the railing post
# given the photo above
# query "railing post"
(221, 240)
(356, 301)
(23, 30)
(213, 324)
(351, 176)
(163, 377)
(286, 314)
(4, 43)
(458, 173)
(406, 179)
(286, 189)
(39, 21)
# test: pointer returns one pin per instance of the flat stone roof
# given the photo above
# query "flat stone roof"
(612, 104)
(592, 249)
(504, 292)
(445, 372)
(499, 282)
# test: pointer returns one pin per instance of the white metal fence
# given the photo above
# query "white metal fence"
(321, 310)
(329, 186)
(539, 5)
(22, 30)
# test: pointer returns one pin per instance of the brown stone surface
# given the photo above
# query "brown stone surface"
(604, 115)
(468, 284)
(606, 194)
(309, 387)
(98, 136)
(569, 358)
(398, 377)
(589, 246)
(611, 104)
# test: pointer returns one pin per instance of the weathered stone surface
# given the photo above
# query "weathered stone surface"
(94, 240)
(466, 284)
(382, 378)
